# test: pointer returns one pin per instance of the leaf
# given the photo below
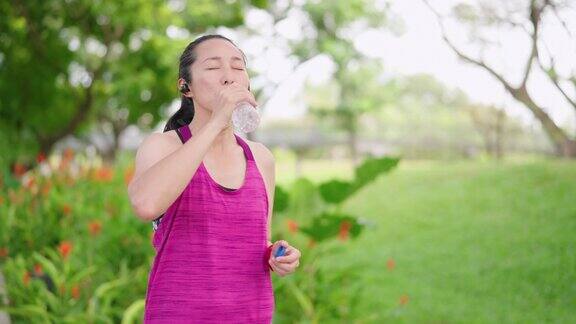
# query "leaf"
(304, 199)
(303, 300)
(261, 4)
(280, 199)
(327, 226)
(50, 268)
(372, 168)
(336, 191)
(102, 294)
(133, 312)
(106, 287)
(28, 311)
(86, 272)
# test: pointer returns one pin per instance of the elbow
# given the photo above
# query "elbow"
(143, 209)
(144, 213)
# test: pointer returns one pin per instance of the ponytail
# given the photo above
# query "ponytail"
(183, 116)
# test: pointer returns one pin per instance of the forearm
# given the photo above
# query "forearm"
(159, 186)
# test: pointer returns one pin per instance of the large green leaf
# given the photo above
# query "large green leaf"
(372, 168)
(133, 312)
(304, 199)
(336, 191)
(326, 226)
(280, 199)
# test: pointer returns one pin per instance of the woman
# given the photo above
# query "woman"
(215, 192)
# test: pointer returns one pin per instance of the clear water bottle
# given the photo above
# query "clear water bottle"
(245, 117)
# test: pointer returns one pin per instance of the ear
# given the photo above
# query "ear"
(184, 88)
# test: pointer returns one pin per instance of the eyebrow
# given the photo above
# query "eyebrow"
(235, 58)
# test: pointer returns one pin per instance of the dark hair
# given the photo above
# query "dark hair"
(185, 113)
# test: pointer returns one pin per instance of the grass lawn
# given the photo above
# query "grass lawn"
(472, 242)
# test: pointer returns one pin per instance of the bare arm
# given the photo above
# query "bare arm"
(267, 163)
(163, 168)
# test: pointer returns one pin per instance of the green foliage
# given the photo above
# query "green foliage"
(74, 251)
(326, 226)
(280, 199)
(68, 67)
(87, 258)
(312, 221)
(471, 241)
(336, 191)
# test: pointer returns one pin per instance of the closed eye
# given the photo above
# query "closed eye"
(218, 68)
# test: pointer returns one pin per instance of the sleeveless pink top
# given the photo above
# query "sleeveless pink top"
(210, 264)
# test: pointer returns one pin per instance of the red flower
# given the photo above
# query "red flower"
(390, 264)
(19, 169)
(75, 292)
(38, 269)
(3, 252)
(103, 174)
(66, 209)
(95, 227)
(403, 299)
(65, 248)
(344, 230)
(41, 157)
(292, 226)
(26, 278)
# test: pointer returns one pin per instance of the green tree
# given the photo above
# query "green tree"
(354, 93)
(66, 66)
(335, 22)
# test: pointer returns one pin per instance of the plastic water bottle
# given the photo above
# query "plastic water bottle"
(245, 117)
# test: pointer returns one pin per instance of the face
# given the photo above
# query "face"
(218, 64)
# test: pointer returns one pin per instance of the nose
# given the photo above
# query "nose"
(227, 78)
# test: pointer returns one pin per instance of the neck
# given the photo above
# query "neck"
(224, 141)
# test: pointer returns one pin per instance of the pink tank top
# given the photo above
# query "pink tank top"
(210, 264)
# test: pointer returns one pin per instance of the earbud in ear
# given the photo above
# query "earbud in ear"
(184, 88)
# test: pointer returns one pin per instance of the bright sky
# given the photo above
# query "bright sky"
(420, 49)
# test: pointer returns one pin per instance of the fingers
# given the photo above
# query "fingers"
(285, 264)
(292, 254)
(283, 269)
(239, 93)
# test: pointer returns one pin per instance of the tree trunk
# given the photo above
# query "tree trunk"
(568, 148)
(80, 115)
(298, 165)
(350, 125)
(499, 134)
(565, 146)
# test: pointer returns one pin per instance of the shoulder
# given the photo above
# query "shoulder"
(167, 140)
(154, 148)
(261, 153)
(266, 164)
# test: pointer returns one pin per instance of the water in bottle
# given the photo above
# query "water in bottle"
(245, 117)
